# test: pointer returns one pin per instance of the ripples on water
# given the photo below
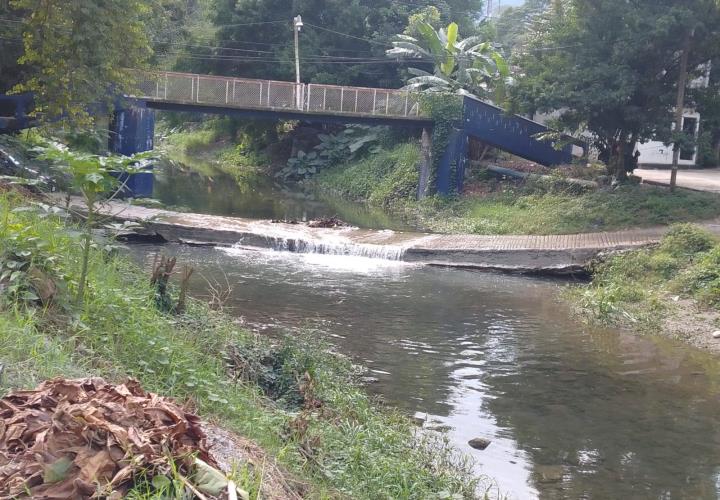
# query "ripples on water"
(571, 412)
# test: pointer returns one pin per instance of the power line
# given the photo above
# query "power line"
(347, 35)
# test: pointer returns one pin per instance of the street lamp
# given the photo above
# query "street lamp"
(297, 26)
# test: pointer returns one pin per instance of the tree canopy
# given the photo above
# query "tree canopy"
(79, 55)
(610, 67)
(342, 41)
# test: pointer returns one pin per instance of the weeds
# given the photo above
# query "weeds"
(634, 287)
(356, 448)
(547, 205)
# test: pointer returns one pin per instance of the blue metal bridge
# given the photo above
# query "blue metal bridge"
(132, 126)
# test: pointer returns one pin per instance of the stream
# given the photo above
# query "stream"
(571, 411)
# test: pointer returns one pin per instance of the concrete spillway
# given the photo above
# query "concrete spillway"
(546, 254)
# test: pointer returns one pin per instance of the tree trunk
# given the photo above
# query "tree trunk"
(616, 163)
(717, 152)
(680, 105)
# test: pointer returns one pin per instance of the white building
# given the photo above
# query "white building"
(657, 154)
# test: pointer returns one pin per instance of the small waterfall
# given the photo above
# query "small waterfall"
(344, 247)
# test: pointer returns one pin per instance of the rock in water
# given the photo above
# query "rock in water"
(716, 334)
(479, 443)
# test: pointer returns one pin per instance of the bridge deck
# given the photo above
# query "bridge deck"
(278, 96)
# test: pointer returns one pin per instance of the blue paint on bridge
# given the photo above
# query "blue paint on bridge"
(133, 122)
(14, 112)
(491, 125)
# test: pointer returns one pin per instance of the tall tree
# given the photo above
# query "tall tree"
(11, 47)
(611, 68)
(81, 53)
(342, 41)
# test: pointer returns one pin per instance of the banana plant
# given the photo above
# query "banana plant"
(470, 66)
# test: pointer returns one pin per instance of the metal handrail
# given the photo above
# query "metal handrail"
(275, 94)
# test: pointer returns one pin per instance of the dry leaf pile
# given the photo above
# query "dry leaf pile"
(88, 438)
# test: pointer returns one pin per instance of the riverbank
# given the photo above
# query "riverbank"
(493, 206)
(672, 289)
(299, 402)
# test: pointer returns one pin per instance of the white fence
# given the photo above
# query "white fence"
(276, 95)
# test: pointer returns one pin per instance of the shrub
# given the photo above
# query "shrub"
(702, 280)
(687, 240)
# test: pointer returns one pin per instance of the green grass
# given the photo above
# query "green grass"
(209, 148)
(351, 445)
(382, 179)
(517, 211)
(634, 287)
(547, 206)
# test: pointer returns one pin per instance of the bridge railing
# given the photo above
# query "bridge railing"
(276, 95)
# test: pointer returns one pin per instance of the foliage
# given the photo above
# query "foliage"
(11, 73)
(687, 240)
(469, 66)
(357, 449)
(342, 41)
(385, 178)
(28, 260)
(546, 208)
(333, 149)
(80, 53)
(707, 101)
(446, 111)
(609, 68)
(634, 286)
(93, 176)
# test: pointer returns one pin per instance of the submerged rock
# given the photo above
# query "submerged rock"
(479, 443)
(549, 473)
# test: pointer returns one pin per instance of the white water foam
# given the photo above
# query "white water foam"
(338, 247)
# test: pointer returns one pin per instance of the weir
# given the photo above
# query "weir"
(347, 248)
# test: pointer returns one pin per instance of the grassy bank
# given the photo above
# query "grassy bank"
(294, 398)
(389, 179)
(209, 147)
(673, 288)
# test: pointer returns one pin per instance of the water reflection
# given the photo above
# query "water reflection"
(205, 189)
(572, 412)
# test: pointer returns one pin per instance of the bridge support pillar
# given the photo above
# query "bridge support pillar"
(132, 130)
(425, 162)
(451, 168)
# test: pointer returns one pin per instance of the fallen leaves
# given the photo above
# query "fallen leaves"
(91, 439)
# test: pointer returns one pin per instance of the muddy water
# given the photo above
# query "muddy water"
(572, 412)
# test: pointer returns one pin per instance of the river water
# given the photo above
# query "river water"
(572, 411)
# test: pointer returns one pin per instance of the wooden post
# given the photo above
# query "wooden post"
(680, 106)
(425, 162)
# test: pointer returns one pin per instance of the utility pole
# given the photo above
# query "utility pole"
(297, 26)
(680, 105)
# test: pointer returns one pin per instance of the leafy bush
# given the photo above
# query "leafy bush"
(687, 240)
(332, 150)
(383, 178)
(702, 280)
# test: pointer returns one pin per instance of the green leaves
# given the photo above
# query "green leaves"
(332, 150)
(469, 66)
(76, 54)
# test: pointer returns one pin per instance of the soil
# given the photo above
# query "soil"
(230, 450)
(688, 321)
